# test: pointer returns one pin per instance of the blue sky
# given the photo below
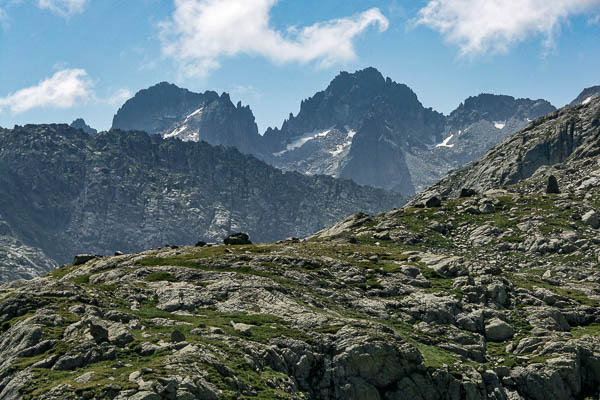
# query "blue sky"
(63, 59)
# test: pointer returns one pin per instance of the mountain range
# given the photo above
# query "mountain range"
(487, 293)
(362, 127)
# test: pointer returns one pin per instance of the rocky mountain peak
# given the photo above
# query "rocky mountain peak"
(173, 112)
(79, 123)
(348, 99)
(498, 108)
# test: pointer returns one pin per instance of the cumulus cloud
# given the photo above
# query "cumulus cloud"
(64, 89)
(201, 32)
(119, 97)
(493, 26)
(64, 8)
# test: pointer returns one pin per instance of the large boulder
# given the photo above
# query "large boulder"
(552, 186)
(497, 330)
(83, 258)
(237, 239)
(591, 219)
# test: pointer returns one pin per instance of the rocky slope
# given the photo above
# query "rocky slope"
(492, 296)
(170, 111)
(66, 192)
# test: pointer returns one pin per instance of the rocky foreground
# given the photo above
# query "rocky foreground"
(493, 296)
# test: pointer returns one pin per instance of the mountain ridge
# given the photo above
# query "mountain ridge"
(68, 192)
(319, 138)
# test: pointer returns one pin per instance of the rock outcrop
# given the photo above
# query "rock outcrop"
(79, 123)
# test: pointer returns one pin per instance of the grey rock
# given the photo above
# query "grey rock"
(83, 258)
(237, 239)
(552, 186)
(591, 219)
(433, 202)
(177, 336)
(497, 330)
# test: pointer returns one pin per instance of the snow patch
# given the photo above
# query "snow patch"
(194, 136)
(175, 132)
(499, 125)
(302, 141)
(445, 142)
(198, 111)
(587, 100)
(340, 148)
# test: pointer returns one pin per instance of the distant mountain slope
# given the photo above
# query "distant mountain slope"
(67, 192)
(79, 123)
(471, 130)
(560, 139)
(586, 96)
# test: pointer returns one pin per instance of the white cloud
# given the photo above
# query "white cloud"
(493, 26)
(120, 96)
(201, 32)
(3, 19)
(64, 89)
(595, 20)
(64, 8)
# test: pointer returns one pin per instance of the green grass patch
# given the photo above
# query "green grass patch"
(160, 277)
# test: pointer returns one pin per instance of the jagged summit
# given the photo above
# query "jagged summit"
(497, 108)
(79, 123)
(173, 112)
(335, 119)
(407, 149)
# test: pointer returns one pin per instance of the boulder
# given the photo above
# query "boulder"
(237, 239)
(244, 329)
(591, 219)
(98, 331)
(465, 192)
(119, 335)
(177, 336)
(552, 185)
(497, 330)
(433, 202)
(487, 208)
(83, 258)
